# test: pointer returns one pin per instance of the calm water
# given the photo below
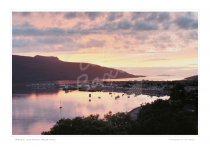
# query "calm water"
(35, 112)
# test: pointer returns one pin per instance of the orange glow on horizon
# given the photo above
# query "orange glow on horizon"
(108, 39)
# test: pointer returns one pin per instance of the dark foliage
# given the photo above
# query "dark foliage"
(164, 117)
(118, 123)
(176, 116)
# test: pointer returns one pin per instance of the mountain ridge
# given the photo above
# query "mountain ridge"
(42, 68)
(194, 77)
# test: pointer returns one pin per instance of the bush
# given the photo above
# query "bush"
(176, 116)
(112, 124)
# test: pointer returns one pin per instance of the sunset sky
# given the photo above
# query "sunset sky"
(138, 42)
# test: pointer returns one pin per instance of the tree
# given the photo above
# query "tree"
(178, 92)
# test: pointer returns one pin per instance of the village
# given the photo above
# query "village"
(152, 88)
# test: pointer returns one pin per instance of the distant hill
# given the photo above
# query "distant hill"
(40, 68)
(192, 78)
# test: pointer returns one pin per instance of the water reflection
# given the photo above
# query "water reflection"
(38, 111)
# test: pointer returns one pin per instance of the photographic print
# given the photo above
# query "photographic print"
(105, 73)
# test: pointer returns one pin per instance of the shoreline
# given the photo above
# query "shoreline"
(133, 114)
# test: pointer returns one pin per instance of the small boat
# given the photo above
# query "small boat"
(117, 97)
(66, 91)
(99, 97)
(60, 105)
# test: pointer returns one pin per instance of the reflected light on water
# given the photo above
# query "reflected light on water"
(37, 112)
